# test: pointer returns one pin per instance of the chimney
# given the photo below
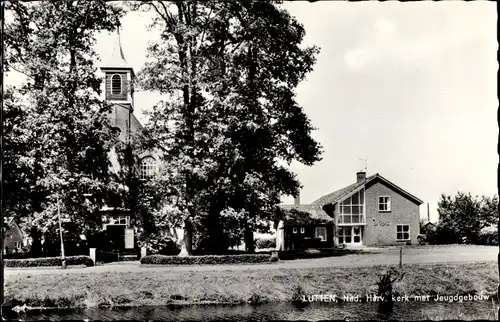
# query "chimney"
(360, 176)
(297, 199)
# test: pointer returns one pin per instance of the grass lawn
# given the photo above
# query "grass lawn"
(91, 289)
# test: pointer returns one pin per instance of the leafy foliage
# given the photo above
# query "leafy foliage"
(266, 243)
(230, 122)
(463, 217)
(57, 136)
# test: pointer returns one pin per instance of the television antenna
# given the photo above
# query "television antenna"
(366, 163)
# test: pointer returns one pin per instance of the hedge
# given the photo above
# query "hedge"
(206, 259)
(49, 261)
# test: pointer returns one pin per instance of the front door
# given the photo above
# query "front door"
(116, 236)
(350, 235)
(356, 235)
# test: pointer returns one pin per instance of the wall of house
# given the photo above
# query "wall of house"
(309, 233)
(381, 226)
(12, 235)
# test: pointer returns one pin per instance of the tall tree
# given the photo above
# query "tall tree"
(58, 139)
(264, 61)
(229, 70)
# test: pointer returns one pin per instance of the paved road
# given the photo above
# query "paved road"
(382, 256)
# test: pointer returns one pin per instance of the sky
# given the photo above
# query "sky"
(411, 87)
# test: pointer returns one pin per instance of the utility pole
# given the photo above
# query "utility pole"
(63, 258)
(428, 213)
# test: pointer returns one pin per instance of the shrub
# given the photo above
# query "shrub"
(488, 238)
(298, 294)
(274, 257)
(265, 243)
(386, 282)
(205, 260)
(49, 261)
(421, 239)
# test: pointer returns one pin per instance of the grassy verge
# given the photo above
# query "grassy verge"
(184, 287)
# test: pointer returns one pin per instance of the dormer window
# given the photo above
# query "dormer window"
(116, 84)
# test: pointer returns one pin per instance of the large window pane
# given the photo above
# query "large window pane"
(347, 209)
(362, 196)
(355, 198)
(347, 219)
(355, 219)
(355, 210)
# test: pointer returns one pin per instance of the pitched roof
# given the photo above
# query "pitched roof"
(337, 195)
(305, 213)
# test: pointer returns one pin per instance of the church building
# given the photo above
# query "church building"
(118, 89)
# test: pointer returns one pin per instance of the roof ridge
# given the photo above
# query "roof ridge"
(339, 193)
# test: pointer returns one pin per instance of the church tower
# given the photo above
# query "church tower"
(119, 90)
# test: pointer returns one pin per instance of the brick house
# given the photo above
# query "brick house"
(13, 240)
(372, 211)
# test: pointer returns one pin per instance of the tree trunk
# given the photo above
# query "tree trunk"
(249, 242)
(187, 239)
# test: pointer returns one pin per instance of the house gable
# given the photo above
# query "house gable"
(338, 195)
(379, 179)
(14, 232)
(382, 225)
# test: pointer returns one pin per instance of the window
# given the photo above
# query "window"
(384, 203)
(320, 233)
(294, 230)
(116, 84)
(117, 220)
(302, 230)
(351, 210)
(403, 232)
(345, 235)
(148, 168)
